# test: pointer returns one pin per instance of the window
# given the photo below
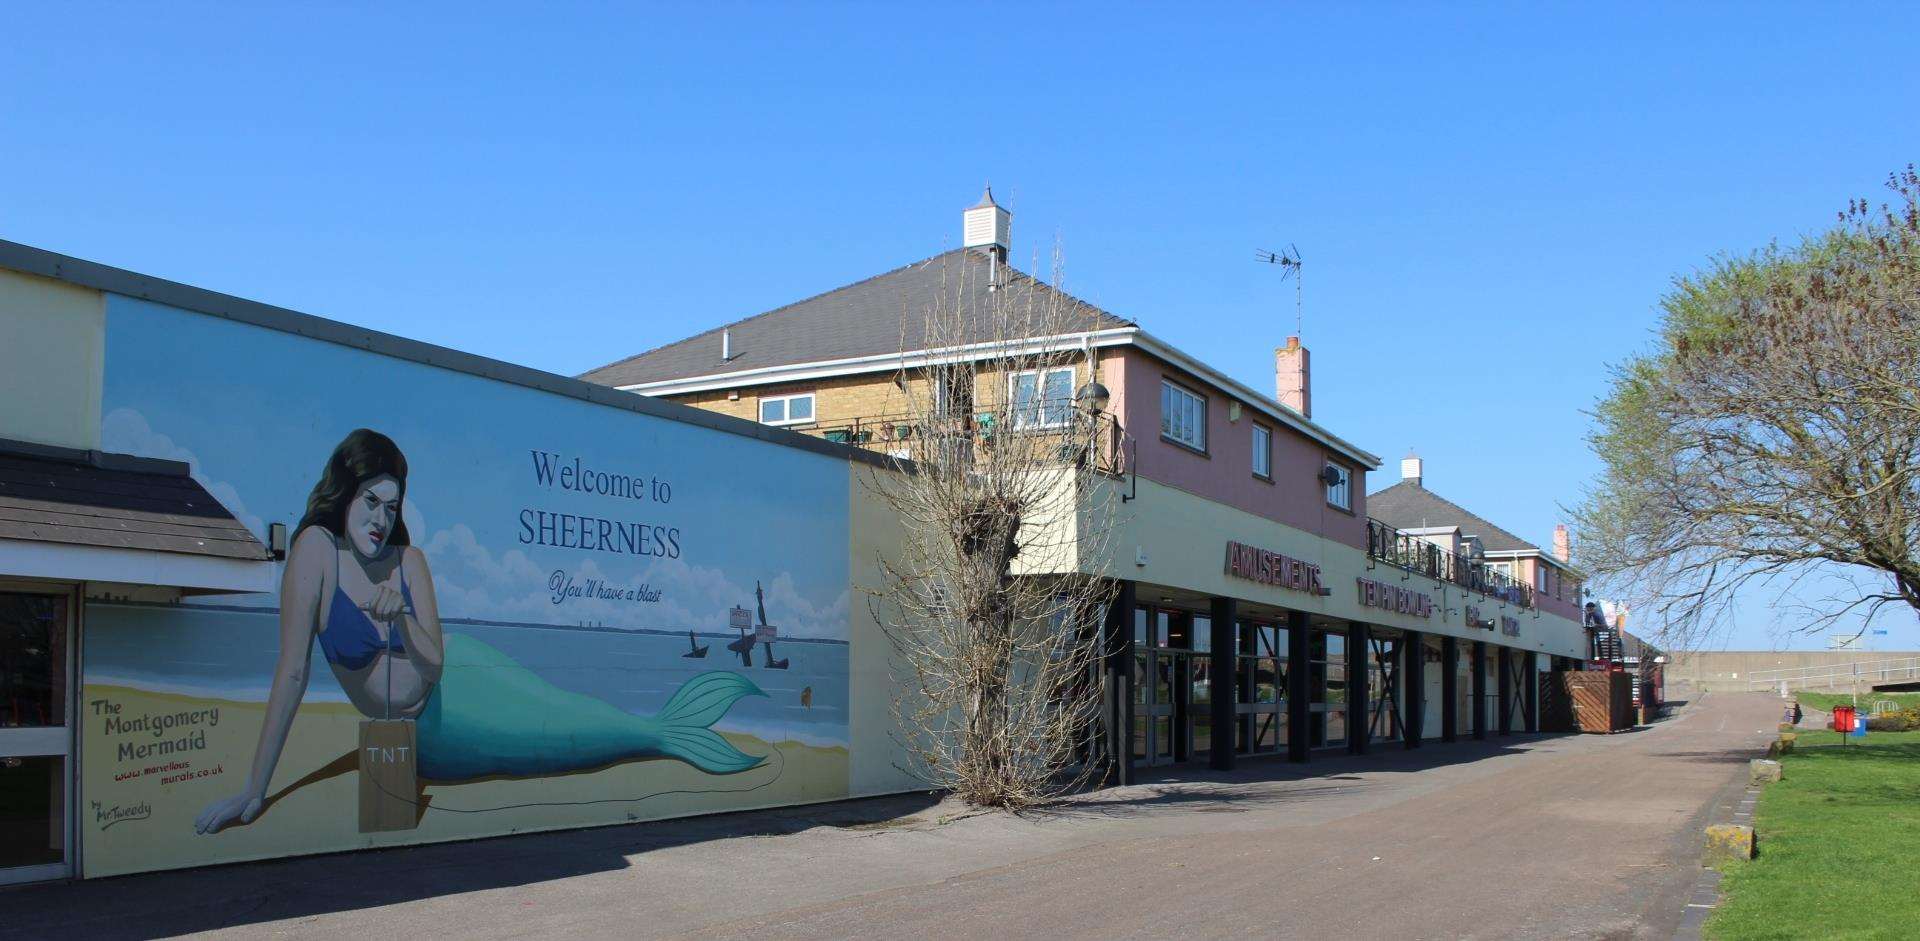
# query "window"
(1183, 416)
(1539, 577)
(1262, 453)
(1041, 399)
(1339, 483)
(786, 409)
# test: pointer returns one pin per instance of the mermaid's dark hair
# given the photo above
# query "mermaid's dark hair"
(361, 456)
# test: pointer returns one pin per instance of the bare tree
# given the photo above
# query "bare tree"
(1003, 483)
(1772, 438)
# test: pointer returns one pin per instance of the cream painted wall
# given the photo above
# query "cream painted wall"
(875, 532)
(1431, 724)
(1184, 537)
(52, 349)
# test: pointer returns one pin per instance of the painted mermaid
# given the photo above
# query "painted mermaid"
(354, 583)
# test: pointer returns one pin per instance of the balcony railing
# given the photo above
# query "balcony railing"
(1416, 555)
(1104, 445)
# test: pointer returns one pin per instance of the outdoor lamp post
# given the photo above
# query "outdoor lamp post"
(1092, 399)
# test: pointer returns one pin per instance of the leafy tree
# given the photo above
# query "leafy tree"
(1772, 435)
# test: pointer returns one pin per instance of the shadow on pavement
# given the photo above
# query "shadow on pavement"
(244, 894)
(1271, 780)
(209, 898)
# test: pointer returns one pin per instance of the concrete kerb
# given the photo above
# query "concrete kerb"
(1729, 834)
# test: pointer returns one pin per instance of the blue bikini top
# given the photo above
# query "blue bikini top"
(349, 639)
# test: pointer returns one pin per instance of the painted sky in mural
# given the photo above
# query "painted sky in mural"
(532, 508)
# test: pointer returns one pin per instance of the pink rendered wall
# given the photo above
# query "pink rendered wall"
(1567, 606)
(1295, 496)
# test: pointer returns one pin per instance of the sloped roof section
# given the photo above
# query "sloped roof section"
(115, 501)
(1407, 505)
(884, 314)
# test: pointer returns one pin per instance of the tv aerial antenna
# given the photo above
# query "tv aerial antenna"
(1289, 262)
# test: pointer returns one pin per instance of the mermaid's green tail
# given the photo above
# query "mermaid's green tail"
(492, 716)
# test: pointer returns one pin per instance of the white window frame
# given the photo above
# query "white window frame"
(786, 408)
(1262, 440)
(1198, 441)
(1344, 488)
(1039, 420)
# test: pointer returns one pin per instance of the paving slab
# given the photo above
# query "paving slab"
(1515, 837)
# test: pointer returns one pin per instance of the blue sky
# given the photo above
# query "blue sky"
(1490, 199)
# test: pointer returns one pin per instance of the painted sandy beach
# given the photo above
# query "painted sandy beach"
(142, 803)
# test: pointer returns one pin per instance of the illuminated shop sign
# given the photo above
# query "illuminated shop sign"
(1272, 568)
(1375, 594)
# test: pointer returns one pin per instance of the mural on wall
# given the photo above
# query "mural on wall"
(544, 657)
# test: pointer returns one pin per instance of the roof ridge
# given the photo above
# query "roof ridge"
(1096, 310)
(771, 311)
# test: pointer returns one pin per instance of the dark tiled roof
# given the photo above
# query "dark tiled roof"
(114, 501)
(881, 315)
(1407, 505)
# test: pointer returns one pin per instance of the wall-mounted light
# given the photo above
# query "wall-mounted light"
(277, 541)
(1093, 397)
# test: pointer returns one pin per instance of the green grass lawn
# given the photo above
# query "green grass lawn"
(1837, 837)
(1826, 701)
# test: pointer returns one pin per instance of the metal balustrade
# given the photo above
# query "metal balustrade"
(1413, 554)
(960, 437)
(1838, 675)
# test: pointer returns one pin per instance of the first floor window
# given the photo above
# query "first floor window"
(1183, 416)
(1339, 483)
(1262, 453)
(787, 409)
(1042, 398)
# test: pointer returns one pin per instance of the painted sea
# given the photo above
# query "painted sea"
(229, 653)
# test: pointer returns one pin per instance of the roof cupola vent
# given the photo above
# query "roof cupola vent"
(987, 227)
(1412, 468)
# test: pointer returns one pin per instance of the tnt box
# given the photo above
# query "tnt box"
(389, 794)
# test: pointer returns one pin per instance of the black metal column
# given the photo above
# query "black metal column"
(1504, 664)
(1299, 687)
(1119, 666)
(1413, 687)
(1359, 700)
(1530, 694)
(1449, 689)
(1224, 689)
(1479, 684)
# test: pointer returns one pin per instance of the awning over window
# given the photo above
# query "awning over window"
(89, 516)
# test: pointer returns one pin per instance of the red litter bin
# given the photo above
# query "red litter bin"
(1843, 717)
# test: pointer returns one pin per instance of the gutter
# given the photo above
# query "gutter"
(1111, 337)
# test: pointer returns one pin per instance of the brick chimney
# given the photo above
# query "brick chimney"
(1562, 543)
(1293, 377)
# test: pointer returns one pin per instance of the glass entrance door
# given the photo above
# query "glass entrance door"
(1165, 708)
(1172, 689)
(36, 739)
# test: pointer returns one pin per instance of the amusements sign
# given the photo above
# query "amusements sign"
(1376, 594)
(1272, 568)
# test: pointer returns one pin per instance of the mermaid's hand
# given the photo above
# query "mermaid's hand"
(386, 605)
(241, 807)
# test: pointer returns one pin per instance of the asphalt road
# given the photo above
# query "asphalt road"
(1523, 837)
